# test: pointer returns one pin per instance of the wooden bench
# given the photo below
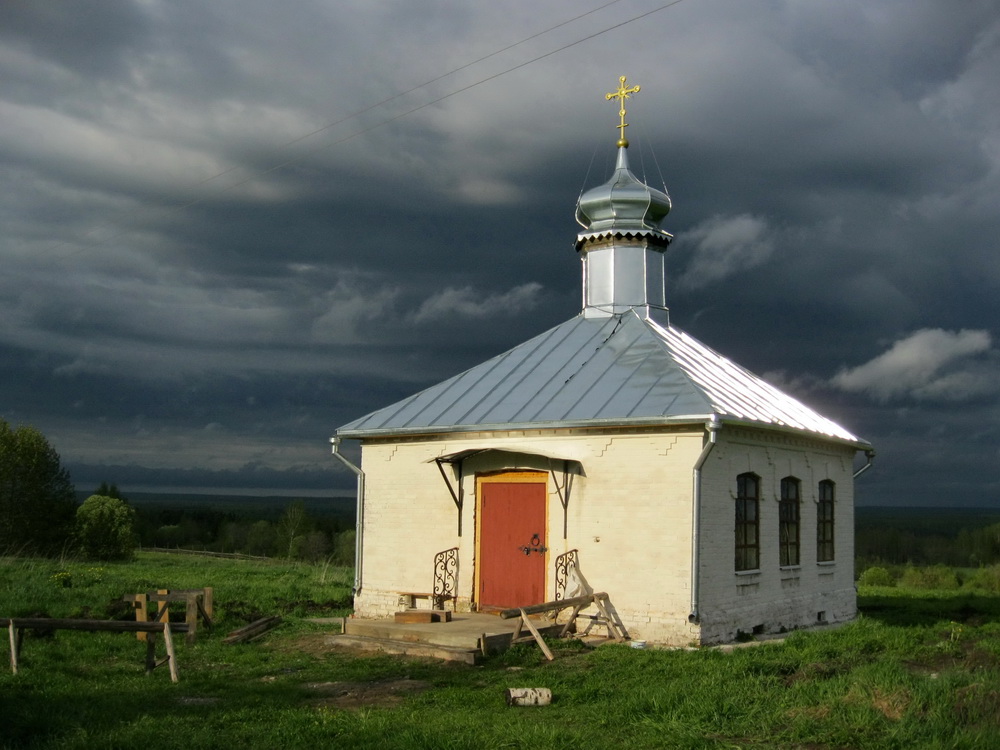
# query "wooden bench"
(17, 625)
(197, 602)
(409, 599)
(445, 584)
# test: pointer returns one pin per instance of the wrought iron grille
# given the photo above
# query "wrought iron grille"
(445, 577)
(563, 563)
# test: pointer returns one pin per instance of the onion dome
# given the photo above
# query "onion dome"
(622, 245)
(623, 205)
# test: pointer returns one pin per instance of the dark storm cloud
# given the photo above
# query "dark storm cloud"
(208, 265)
(92, 38)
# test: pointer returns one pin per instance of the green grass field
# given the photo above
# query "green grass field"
(917, 670)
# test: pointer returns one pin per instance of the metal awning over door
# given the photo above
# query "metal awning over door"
(561, 469)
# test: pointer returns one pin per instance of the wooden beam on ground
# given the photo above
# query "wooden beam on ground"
(253, 630)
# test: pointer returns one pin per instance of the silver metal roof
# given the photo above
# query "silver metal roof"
(618, 370)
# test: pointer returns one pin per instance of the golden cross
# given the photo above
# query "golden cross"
(621, 95)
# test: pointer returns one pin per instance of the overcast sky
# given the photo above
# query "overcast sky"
(229, 227)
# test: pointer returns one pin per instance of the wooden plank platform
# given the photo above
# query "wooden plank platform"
(404, 648)
(467, 631)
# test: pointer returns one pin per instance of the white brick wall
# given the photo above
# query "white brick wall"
(630, 517)
(774, 598)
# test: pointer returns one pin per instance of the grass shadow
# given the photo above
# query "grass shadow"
(905, 608)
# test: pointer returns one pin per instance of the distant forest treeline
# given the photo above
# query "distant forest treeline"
(323, 529)
(310, 529)
(958, 537)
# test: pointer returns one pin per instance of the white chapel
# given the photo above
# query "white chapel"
(615, 452)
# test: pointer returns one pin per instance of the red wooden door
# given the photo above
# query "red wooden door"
(512, 520)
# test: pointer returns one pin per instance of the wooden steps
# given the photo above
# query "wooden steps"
(405, 648)
(416, 616)
(464, 634)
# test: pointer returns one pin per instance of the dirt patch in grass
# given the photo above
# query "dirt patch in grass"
(978, 658)
(366, 694)
(977, 705)
(932, 667)
(313, 644)
(954, 655)
(815, 671)
(892, 704)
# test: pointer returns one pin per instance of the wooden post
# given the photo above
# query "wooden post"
(191, 615)
(170, 652)
(140, 603)
(572, 619)
(538, 636)
(150, 652)
(208, 606)
(162, 606)
(614, 629)
(13, 646)
(516, 635)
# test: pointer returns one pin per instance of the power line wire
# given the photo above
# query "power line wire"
(256, 175)
(387, 100)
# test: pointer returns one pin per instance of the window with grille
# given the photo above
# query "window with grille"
(824, 522)
(788, 522)
(747, 522)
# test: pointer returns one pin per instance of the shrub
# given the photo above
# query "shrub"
(939, 577)
(876, 576)
(985, 579)
(104, 528)
(343, 548)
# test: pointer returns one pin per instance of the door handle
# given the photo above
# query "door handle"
(535, 546)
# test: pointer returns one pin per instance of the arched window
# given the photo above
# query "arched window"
(824, 522)
(747, 522)
(788, 522)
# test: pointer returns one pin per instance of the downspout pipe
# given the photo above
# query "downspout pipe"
(712, 427)
(870, 457)
(359, 534)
